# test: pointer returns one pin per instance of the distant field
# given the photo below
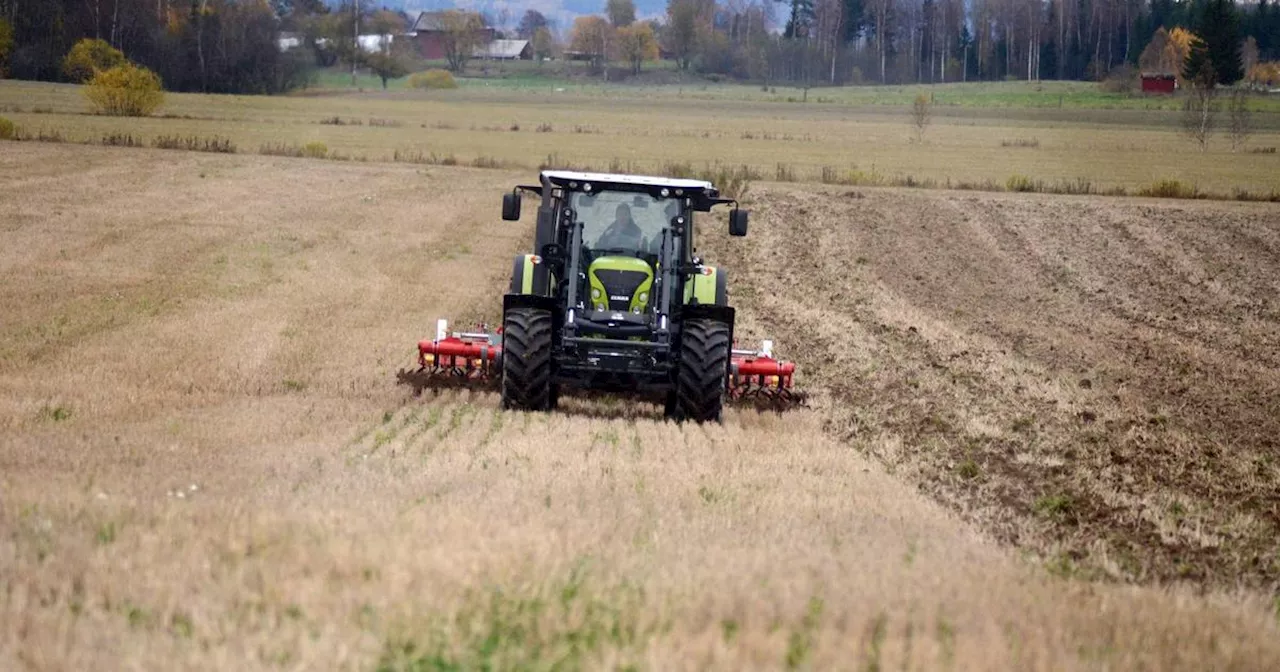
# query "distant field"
(1019, 95)
(982, 134)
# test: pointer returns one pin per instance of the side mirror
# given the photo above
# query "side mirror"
(738, 222)
(511, 206)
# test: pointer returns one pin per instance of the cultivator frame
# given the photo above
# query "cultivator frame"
(757, 379)
(473, 360)
(460, 359)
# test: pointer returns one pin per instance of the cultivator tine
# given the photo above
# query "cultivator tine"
(767, 397)
(758, 380)
(471, 360)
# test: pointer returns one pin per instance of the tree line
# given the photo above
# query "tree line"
(218, 46)
(232, 45)
(929, 41)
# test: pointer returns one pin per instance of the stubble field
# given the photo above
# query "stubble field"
(205, 462)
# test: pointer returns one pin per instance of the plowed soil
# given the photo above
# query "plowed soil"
(1098, 380)
(205, 462)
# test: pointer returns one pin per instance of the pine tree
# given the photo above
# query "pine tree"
(1198, 68)
(1266, 29)
(1219, 43)
(801, 19)
(854, 19)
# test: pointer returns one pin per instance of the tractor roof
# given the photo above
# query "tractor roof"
(561, 177)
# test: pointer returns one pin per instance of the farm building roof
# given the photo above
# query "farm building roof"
(501, 49)
(428, 21)
(433, 21)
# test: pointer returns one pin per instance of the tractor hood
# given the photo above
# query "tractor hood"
(620, 284)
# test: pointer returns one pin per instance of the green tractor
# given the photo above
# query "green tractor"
(613, 298)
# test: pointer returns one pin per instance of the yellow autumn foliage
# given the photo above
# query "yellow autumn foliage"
(1264, 74)
(126, 90)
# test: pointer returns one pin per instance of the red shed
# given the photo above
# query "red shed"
(1159, 82)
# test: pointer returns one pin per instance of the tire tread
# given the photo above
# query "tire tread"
(526, 359)
(700, 380)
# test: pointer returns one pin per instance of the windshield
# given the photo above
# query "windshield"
(619, 220)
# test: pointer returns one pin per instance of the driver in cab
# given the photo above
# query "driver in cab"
(623, 233)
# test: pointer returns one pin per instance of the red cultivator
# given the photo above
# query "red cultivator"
(474, 360)
(755, 377)
(460, 359)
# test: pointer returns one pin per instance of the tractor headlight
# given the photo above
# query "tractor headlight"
(599, 306)
(595, 292)
(644, 296)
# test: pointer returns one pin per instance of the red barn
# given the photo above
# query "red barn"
(428, 32)
(1159, 82)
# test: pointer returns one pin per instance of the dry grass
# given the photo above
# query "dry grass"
(204, 462)
(1110, 149)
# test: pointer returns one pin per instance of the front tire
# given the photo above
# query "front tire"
(526, 360)
(704, 363)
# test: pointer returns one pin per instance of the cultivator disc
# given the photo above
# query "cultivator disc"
(458, 360)
(757, 379)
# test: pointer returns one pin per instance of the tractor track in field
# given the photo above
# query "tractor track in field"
(1095, 381)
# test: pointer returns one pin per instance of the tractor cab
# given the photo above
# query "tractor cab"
(622, 246)
(617, 251)
(621, 257)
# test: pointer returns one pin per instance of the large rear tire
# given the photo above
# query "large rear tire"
(704, 364)
(526, 360)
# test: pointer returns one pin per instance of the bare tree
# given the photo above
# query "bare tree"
(543, 43)
(829, 16)
(356, 51)
(387, 25)
(6, 43)
(1249, 54)
(462, 33)
(592, 36)
(620, 12)
(881, 12)
(388, 65)
(530, 23)
(637, 44)
(682, 30)
(921, 115)
(204, 71)
(1200, 111)
(1239, 119)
